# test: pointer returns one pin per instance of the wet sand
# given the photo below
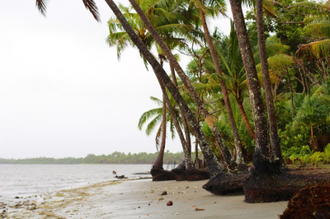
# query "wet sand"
(144, 199)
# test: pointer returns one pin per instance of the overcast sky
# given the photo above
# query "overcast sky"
(62, 90)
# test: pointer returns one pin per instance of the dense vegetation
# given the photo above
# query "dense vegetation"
(297, 46)
(114, 158)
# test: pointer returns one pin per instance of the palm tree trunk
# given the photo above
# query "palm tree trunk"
(158, 164)
(262, 145)
(238, 144)
(208, 118)
(245, 119)
(213, 164)
(186, 152)
(267, 84)
(183, 117)
(196, 142)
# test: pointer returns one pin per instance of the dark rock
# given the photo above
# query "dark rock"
(163, 193)
(169, 203)
(121, 177)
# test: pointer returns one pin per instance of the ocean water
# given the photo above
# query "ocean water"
(32, 180)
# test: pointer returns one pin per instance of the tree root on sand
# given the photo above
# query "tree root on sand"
(180, 174)
(162, 175)
(310, 202)
(197, 174)
(225, 183)
(268, 183)
(191, 174)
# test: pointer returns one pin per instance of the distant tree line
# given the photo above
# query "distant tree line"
(114, 158)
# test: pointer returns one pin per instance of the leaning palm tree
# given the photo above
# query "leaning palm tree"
(164, 22)
(119, 38)
(188, 85)
(213, 164)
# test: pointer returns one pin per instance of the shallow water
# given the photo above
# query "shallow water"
(38, 179)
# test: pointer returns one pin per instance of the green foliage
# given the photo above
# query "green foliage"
(293, 139)
(317, 158)
(283, 113)
(304, 155)
(327, 154)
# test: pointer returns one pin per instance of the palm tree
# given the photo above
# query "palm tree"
(266, 81)
(213, 164)
(156, 118)
(202, 10)
(262, 144)
(185, 80)
(159, 117)
(119, 37)
(235, 76)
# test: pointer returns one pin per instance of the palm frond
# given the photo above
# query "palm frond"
(147, 115)
(172, 129)
(319, 28)
(280, 62)
(274, 46)
(269, 8)
(158, 137)
(157, 101)
(151, 126)
(41, 5)
(317, 49)
(91, 6)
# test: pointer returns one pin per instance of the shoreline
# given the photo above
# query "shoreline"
(142, 198)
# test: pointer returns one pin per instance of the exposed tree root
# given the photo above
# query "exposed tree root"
(225, 183)
(272, 188)
(180, 174)
(197, 174)
(311, 203)
(191, 174)
(267, 183)
(162, 175)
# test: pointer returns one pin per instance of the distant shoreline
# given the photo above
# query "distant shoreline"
(114, 158)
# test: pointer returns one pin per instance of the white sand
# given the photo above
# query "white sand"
(142, 199)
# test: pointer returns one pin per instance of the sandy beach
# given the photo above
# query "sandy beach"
(141, 199)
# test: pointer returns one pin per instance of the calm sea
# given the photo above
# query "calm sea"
(39, 179)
